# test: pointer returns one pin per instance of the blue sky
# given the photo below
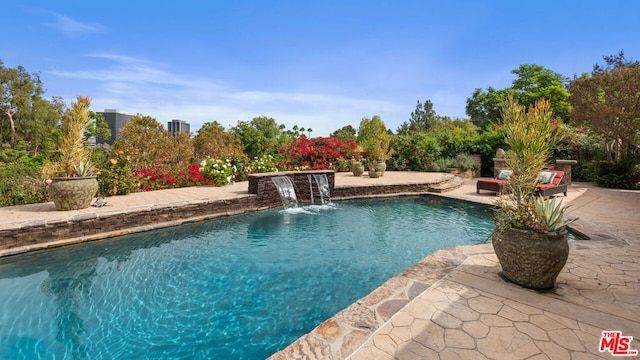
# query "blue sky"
(319, 65)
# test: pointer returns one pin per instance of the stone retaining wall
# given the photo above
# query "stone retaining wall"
(267, 195)
(91, 226)
(363, 191)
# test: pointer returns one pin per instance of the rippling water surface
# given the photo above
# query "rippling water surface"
(240, 287)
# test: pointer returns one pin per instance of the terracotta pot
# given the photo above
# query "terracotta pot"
(531, 259)
(73, 193)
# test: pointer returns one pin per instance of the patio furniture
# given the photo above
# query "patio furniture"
(556, 186)
(495, 185)
(498, 185)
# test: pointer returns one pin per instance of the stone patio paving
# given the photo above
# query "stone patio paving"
(472, 313)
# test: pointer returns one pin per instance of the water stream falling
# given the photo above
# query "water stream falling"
(323, 187)
(288, 194)
(310, 187)
(286, 190)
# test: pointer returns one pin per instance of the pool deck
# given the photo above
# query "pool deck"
(454, 304)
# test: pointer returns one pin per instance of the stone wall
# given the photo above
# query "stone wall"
(93, 226)
(267, 194)
(363, 191)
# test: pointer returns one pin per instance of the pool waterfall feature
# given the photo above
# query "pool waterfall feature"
(288, 192)
(273, 188)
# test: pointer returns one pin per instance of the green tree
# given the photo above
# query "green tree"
(145, 141)
(345, 133)
(262, 135)
(483, 107)
(608, 102)
(213, 141)
(25, 115)
(373, 137)
(533, 82)
(98, 127)
(423, 118)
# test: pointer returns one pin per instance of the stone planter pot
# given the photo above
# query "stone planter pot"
(357, 170)
(375, 174)
(382, 165)
(531, 259)
(73, 193)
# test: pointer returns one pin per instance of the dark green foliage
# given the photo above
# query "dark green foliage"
(413, 151)
(533, 82)
(21, 180)
(24, 113)
(261, 136)
(423, 118)
(623, 174)
(345, 133)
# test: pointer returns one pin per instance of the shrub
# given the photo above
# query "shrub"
(264, 163)
(221, 172)
(320, 153)
(21, 181)
(414, 151)
(115, 175)
(461, 161)
(623, 174)
(154, 178)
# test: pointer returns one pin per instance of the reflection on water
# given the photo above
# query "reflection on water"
(66, 284)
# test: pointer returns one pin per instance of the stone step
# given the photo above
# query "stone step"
(450, 185)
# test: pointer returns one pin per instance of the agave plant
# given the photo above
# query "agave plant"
(551, 213)
(83, 169)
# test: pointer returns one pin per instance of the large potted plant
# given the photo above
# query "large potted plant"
(73, 182)
(530, 237)
(373, 137)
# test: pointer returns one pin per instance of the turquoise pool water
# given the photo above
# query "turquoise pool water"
(240, 287)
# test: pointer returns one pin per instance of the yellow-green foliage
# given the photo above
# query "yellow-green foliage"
(373, 137)
(531, 138)
(72, 149)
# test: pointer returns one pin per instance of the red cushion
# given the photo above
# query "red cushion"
(546, 186)
(558, 178)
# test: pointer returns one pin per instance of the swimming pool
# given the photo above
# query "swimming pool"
(238, 287)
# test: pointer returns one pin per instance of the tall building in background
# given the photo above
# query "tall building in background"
(176, 126)
(116, 121)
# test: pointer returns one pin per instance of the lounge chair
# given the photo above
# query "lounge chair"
(498, 185)
(556, 186)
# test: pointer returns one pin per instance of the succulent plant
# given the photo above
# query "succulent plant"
(551, 213)
(83, 169)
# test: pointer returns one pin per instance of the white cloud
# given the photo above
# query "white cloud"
(138, 86)
(73, 27)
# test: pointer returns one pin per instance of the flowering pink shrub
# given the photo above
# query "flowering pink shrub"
(158, 178)
(320, 153)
